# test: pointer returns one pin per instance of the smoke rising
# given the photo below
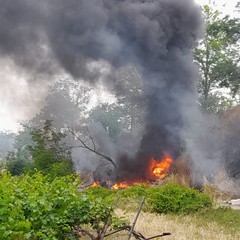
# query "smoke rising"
(37, 35)
(156, 36)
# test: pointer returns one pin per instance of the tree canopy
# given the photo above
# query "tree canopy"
(217, 56)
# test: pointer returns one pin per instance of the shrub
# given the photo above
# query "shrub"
(32, 207)
(134, 192)
(173, 198)
(100, 192)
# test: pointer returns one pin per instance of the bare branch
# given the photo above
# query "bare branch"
(79, 230)
(76, 147)
(90, 136)
(84, 145)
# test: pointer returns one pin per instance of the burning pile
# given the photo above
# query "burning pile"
(156, 170)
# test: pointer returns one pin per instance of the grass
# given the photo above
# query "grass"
(225, 217)
(209, 223)
(196, 227)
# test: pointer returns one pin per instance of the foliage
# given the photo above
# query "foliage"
(129, 95)
(6, 143)
(170, 198)
(135, 192)
(101, 192)
(32, 207)
(231, 134)
(173, 198)
(109, 115)
(217, 55)
(66, 104)
(19, 159)
(49, 154)
(16, 166)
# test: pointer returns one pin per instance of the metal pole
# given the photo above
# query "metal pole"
(136, 218)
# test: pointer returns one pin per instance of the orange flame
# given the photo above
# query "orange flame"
(94, 184)
(159, 170)
(156, 170)
(120, 185)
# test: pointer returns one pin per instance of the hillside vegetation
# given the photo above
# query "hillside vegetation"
(37, 207)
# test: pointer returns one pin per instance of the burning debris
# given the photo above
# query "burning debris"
(155, 171)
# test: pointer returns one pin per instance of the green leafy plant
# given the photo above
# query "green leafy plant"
(106, 194)
(173, 198)
(49, 153)
(32, 207)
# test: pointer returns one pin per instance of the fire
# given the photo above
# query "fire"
(156, 170)
(120, 185)
(95, 184)
(159, 170)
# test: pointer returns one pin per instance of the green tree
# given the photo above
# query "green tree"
(66, 104)
(6, 143)
(18, 160)
(126, 113)
(109, 116)
(217, 56)
(129, 95)
(231, 143)
(49, 154)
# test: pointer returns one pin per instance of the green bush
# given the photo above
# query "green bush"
(17, 167)
(170, 198)
(32, 207)
(102, 193)
(134, 192)
(173, 198)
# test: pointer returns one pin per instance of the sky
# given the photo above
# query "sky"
(16, 102)
(225, 6)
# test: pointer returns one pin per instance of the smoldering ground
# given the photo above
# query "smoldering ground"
(156, 36)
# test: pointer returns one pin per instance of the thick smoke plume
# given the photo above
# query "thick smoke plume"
(156, 36)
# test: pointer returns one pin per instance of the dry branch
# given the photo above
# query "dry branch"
(91, 149)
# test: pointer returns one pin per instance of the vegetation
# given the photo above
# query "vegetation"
(173, 198)
(170, 198)
(33, 207)
(39, 207)
(223, 216)
(47, 153)
(183, 226)
(39, 197)
(217, 58)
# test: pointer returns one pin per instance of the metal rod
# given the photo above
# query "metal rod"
(136, 218)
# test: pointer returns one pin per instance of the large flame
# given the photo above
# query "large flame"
(156, 170)
(159, 169)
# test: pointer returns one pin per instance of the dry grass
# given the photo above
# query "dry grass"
(181, 228)
(181, 172)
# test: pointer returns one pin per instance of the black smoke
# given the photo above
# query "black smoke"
(156, 36)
